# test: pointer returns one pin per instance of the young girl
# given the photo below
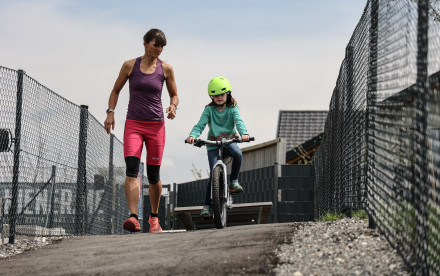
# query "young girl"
(223, 117)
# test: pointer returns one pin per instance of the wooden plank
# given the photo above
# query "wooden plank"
(265, 214)
(239, 214)
(188, 209)
(234, 206)
(260, 211)
(255, 204)
(186, 219)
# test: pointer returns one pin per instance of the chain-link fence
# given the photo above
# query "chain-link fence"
(381, 147)
(60, 172)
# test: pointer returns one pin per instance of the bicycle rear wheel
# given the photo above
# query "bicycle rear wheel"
(218, 199)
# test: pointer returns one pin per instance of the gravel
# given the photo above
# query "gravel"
(22, 245)
(342, 247)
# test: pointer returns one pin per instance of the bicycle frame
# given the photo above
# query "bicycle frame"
(220, 148)
(221, 202)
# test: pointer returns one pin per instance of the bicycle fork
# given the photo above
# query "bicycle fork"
(226, 195)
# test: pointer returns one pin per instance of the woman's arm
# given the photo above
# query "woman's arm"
(125, 71)
(172, 90)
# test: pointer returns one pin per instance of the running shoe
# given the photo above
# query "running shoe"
(235, 188)
(206, 211)
(132, 224)
(154, 225)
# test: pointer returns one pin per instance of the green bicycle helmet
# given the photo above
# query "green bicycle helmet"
(219, 85)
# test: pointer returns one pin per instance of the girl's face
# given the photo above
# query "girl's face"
(220, 99)
(152, 49)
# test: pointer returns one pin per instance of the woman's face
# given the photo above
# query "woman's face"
(152, 49)
(220, 99)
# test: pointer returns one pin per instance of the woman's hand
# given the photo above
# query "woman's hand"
(171, 110)
(245, 137)
(109, 123)
(190, 140)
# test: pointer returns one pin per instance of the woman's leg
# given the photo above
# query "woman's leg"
(133, 143)
(154, 135)
(234, 151)
(155, 187)
(132, 193)
(212, 159)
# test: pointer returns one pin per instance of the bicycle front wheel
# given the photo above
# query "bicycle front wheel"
(218, 199)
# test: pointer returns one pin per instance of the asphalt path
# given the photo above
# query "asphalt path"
(237, 250)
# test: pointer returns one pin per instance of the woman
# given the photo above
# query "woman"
(145, 122)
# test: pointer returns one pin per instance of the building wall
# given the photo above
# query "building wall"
(263, 155)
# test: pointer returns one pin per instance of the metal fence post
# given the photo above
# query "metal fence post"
(348, 131)
(109, 187)
(421, 100)
(172, 200)
(16, 168)
(52, 198)
(332, 189)
(277, 175)
(371, 101)
(338, 128)
(81, 189)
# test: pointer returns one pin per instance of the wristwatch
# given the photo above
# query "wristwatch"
(110, 110)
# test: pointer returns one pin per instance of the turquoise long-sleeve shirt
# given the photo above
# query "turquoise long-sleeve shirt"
(221, 124)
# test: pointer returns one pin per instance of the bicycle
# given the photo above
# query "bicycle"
(220, 195)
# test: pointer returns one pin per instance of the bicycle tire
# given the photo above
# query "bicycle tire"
(218, 202)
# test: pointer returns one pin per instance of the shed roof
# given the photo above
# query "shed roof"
(300, 126)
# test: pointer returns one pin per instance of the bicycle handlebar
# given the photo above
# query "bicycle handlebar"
(200, 142)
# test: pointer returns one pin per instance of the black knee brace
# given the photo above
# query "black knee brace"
(153, 173)
(132, 166)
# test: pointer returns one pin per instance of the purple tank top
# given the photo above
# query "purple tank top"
(145, 102)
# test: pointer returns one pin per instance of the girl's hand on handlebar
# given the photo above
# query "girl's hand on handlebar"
(190, 140)
(245, 137)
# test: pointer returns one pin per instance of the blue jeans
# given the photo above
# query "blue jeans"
(232, 150)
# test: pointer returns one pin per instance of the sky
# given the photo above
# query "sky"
(278, 55)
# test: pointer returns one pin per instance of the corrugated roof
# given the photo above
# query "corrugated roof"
(299, 126)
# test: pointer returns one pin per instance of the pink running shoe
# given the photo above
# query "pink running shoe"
(154, 225)
(132, 224)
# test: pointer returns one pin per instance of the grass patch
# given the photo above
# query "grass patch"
(361, 214)
(330, 217)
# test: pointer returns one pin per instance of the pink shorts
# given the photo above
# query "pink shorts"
(151, 132)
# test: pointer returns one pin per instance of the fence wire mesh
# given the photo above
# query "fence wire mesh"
(60, 172)
(381, 147)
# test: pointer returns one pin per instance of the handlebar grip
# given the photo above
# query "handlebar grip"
(186, 141)
(251, 138)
